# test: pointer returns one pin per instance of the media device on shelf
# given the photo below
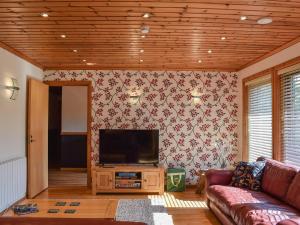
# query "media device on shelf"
(118, 146)
(128, 180)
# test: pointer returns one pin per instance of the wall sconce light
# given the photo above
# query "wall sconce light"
(196, 99)
(196, 96)
(13, 88)
(134, 99)
(134, 96)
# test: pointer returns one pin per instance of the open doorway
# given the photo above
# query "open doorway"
(69, 134)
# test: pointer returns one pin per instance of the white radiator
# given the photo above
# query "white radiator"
(12, 181)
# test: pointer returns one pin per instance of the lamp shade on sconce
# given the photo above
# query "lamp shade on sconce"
(134, 99)
(134, 96)
(196, 96)
(196, 99)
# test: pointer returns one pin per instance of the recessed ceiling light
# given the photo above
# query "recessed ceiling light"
(45, 15)
(199, 61)
(90, 64)
(84, 60)
(63, 36)
(143, 36)
(141, 60)
(264, 21)
(142, 50)
(243, 17)
(223, 38)
(145, 29)
(75, 50)
(209, 51)
(147, 15)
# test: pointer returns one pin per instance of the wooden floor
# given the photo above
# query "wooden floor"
(58, 178)
(186, 208)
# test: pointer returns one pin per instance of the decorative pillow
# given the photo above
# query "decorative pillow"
(248, 175)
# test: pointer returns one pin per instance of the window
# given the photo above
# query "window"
(259, 118)
(290, 117)
(271, 127)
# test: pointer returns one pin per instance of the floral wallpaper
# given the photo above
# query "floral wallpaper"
(195, 111)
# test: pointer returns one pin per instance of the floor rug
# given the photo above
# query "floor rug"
(143, 210)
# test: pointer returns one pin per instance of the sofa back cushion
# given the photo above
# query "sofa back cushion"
(293, 195)
(277, 178)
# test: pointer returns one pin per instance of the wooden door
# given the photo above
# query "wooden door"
(104, 180)
(151, 180)
(37, 137)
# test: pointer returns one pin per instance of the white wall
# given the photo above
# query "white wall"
(13, 113)
(74, 109)
(278, 58)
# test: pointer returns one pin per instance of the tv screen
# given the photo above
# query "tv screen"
(128, 146)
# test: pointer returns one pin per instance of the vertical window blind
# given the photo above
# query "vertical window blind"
(290, 117)
(260, 120)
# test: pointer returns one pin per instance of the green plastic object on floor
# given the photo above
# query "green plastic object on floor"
(175, 180)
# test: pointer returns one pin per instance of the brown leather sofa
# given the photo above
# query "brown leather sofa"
(61, 221)
(277, 203)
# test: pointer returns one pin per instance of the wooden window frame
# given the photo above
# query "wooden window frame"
(245, 149)
(276, 108)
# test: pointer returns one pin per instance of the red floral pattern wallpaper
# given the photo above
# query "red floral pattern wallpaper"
(195, 111)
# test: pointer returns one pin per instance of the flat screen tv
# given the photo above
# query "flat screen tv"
(128, 146)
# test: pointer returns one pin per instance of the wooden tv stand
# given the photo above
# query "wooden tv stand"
(114, 179)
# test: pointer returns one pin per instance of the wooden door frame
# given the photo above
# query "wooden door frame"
(88, 84)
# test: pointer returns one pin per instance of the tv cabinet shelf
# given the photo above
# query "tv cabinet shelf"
(107, 179)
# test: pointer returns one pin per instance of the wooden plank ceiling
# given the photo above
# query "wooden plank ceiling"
(107, 32)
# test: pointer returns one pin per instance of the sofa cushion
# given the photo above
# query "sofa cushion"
(262, 213)
(248, 175)
(293, 195)
(277, 178)
(225, 197)
(294, 221)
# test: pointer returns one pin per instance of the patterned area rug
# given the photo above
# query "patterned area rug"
(143, 210)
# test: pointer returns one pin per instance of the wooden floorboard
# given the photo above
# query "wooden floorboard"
(186, 208)
(58, 178)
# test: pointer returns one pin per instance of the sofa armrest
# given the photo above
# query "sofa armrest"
(294, 221)
(221, 177)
